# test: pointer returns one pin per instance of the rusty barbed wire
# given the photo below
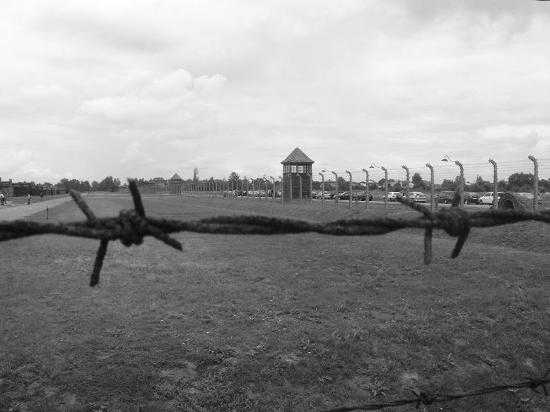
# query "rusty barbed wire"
(131, 226)
(425, 398)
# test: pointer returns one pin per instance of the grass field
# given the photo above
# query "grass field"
(285, 322)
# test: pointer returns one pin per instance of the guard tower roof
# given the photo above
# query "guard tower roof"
(297, 156)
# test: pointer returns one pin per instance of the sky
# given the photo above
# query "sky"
(135, 88)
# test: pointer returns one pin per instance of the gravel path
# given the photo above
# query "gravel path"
(21, 211)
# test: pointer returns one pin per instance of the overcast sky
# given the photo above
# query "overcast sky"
(149, 88)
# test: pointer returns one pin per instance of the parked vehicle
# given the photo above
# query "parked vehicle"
(361, 196)
(418, 197)
(471, 198)
(392, 196)
(446, 196)
(487, 198)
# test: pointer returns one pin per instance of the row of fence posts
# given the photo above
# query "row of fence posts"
(224, 188)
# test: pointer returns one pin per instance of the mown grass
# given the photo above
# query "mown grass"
(286, 322)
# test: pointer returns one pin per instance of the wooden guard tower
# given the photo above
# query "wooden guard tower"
(297, 174)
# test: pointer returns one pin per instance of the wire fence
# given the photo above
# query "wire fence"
(525, 183)
(131, 226)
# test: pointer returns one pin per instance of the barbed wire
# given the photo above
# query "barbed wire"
(425, 398)
(131, 226)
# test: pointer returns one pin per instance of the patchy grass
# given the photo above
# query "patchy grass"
(286, 322)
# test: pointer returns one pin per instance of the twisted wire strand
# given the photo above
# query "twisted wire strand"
(424, 398)
(131, 226)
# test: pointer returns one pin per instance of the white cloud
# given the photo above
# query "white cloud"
(129, 88)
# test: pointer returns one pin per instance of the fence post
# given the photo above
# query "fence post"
(407, 182)
(535, 183)
(282, 189)
(322, 189)
(495, 183)
(310, 175)
(336, 185)
(366, 188)
(385, 186)
(273, 181)
(301, 194)
(432, 187)
(461, 183)
(350, 188)
(291, 195)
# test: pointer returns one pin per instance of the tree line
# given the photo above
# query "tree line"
(516, 182)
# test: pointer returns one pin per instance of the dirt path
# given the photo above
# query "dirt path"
(21, 211)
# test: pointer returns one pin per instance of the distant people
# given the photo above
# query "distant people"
(41, 196)
(2, 199)
(28, 198)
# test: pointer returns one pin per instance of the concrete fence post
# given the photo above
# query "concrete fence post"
(366, 188)
(495, 183)
(432, 186)
(290, 175)
(407, 181)
(535, 182)
(460, 183)
(273, 186)
(350, 188)
(385, 186)
(282, 188)
(310, 175)
(300, 180)
(336, 185)
(322, 189)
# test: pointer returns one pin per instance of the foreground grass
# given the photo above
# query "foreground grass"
(293, 322)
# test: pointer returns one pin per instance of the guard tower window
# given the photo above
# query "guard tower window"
(293, 168)
(300, 169)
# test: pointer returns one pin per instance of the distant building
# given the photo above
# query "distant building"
(159, 184)
(60, 188)
(297, 176)
(6, 187)
(175, 184)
